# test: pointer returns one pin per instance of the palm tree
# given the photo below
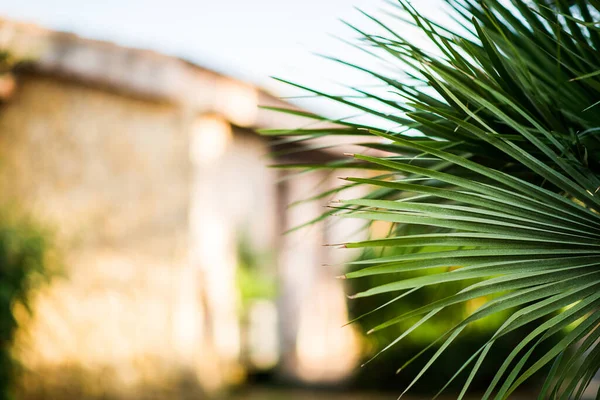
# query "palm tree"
(495, 155)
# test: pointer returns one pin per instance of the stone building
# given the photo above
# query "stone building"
(149, 170)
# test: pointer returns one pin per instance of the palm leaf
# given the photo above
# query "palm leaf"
(498, 160)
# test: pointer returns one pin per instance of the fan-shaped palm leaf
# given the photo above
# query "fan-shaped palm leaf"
(504, 173)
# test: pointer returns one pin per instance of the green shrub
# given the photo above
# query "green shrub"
(24, 256)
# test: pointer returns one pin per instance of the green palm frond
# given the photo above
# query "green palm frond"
(497, 159)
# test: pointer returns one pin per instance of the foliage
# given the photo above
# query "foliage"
(495, 153)
(24, 252)
(382, 373)
(7, 62)
(252, 281)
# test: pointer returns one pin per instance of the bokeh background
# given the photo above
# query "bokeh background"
(147, 232)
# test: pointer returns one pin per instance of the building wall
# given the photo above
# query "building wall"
(120, 163)
(233, 202)
(316, 346)
(150, 202)
(112, 175)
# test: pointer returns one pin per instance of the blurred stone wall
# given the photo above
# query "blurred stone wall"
(112, 175)
(316, 346)
(146, 167)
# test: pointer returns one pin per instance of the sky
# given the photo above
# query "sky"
(249, 40)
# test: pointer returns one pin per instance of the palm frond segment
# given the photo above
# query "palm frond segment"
(496, 158)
